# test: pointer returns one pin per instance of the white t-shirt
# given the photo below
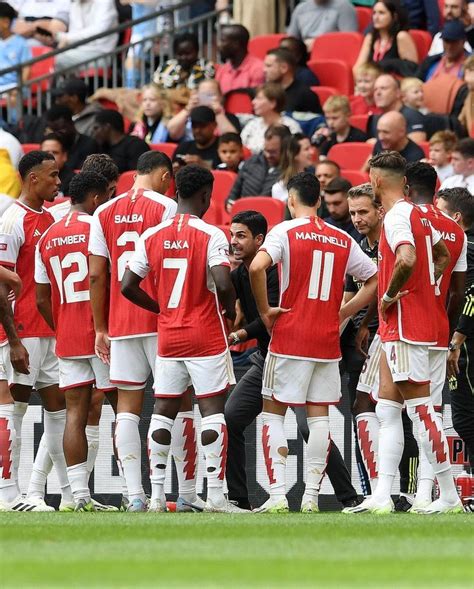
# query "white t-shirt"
(42, 9)
(459, 181)
(254, 132)
(280, 191)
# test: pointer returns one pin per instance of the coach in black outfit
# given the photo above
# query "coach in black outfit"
(248, 231)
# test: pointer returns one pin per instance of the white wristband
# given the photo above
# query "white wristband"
(387, 299)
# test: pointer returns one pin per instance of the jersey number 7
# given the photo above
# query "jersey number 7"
(180, 264)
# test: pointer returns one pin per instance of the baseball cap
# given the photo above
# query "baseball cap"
(453, 30)
(338, 185)
(72, 87)
(202, 115)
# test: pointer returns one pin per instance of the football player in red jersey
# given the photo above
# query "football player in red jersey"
(22, 225)
(302, 364)
(189, 262)
(421, 178)
(62, 297)
(412, 258)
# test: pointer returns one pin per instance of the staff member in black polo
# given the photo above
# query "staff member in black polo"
(248, 232)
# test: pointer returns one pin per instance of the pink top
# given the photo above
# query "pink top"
(249, 74)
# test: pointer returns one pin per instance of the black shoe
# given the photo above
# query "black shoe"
(402, 504)
(242, 503)
(353, 502)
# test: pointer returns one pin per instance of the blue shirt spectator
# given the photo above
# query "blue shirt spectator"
(13, 48)
(423, 14)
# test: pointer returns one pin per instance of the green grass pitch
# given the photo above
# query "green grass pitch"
(205, 550)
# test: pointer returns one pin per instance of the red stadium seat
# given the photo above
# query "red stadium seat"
(425, 146)
(340, 45)
(260, 44)
(350, 156)
(271, 208)
(359, 121)
(364, 18)
(213, 214)
(223, 182)
(324, 92)
(109, 104)
(125, 181)
(239, 103)
(27, 147)
(355, 177)
(335, 73)
(422, 41)
(41, 68)
(441, 11)
(247, 153)
(168, 148)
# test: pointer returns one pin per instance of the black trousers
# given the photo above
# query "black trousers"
(242, 407)
(462, 399)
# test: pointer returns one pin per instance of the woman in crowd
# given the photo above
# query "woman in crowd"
(296, 156)
(466, 118)
(150, 125)
(268, 104)
(388, 39)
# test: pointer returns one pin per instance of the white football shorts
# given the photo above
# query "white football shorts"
(78, 372)
(209, 376)
(299, 382)
(3, 371)
(408, 362)
(438, 359)
(132, 360)
(369, 377)
(44, 370)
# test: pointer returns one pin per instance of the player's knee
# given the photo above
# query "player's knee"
(208, 436)
(283, 451)
(162, 436)
(362, 404)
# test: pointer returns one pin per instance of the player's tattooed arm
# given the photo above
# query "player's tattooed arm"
(131, 290)
(258, 282)
(225, 290)
(18, 354)
(43, 302)
(404, 266)
(441, 258)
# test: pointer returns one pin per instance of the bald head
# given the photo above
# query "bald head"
(387, 93)
(392, 131)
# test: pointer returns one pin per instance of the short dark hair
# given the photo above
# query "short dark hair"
(58, 111)
(465, 147)
(299, 48)
(192, 178)
(230, 138)
(255, 221)
(151, 160)
(84, 183)
(185, 38)
(389, 160)
(33, 159)
(307, 186)
(56, 137)
(422, 177)
(280, 131)
(112, 118)
(283, 55)
(459, 200)
(7, 11)
(238, 33)
(338, 184)
(102, 164)
(330, 163)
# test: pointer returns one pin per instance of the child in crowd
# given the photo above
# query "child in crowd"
(442, 145)
(231, 152)
(412, 93)
(337, 111)
(466, 117)
(362, 103)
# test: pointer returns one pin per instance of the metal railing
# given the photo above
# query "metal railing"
(34, 95)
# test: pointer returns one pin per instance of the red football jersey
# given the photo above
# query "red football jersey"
(116, 227)
(61, 261)
(314, 257)
(456, 242)
(20, 231)
(412, 319)
(180, 253)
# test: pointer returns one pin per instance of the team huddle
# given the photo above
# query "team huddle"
(118, 289)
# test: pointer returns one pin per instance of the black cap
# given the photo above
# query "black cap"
(338, 185)
(202, 115)
(72, 87)
(7, 11)
(453, 30)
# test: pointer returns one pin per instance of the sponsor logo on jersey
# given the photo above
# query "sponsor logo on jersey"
(37, 233)
(179, 244)
(322, 238)
(134, 218)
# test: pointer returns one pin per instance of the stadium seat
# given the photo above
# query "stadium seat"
(223, 182)
(260, 44)
(125, 181)
(364, 18)
(350, 156)
(27, 147)
(340, 45)
(425, 146)
(239, 103)
(226, 230)
(359, 121)
(355, 177)
(271, 208)
(168, 148)
(335, 73)
(422, 41)
(109, 104)
(41, 68)
(324, 92)
(441, 11)
(247, 153)
(213, 214)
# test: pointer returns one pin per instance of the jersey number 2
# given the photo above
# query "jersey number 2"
(181, 265)
(320, 266)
